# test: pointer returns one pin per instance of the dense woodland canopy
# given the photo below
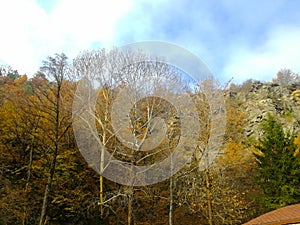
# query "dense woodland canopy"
(44, 179)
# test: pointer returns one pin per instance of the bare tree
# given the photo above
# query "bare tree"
(51, 104)
(286, 76)
(126, 102)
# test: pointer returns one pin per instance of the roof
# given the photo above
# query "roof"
(286, 215)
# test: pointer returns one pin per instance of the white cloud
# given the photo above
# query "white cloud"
(281, 50)
(30, 34)
(223, 35)
(16, 24)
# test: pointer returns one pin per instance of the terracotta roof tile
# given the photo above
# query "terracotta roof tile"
(286, 215)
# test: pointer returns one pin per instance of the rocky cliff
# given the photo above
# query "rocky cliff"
(257, 99)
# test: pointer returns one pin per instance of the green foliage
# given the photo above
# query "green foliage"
(278, 166)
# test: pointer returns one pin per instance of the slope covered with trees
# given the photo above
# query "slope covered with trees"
(44, 179)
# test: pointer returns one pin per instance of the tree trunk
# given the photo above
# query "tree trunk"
(101, 196)
(55, 68)
(102, 161)
(209, 197)
(54, 157)
(171, 202)
(29, 167)
(48, 188)
(130, 201)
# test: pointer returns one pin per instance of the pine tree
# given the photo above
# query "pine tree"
(278, 166)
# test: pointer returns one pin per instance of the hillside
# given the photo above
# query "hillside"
(40, 156)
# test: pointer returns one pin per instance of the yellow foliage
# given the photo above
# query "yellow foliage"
(236, 154)
(297, 143)
(297, 140)
(21, 80)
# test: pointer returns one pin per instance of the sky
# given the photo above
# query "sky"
(234, 38)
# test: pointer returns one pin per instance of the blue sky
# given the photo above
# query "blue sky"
(239, 39)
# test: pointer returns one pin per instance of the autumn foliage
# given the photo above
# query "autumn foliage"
(45, 180)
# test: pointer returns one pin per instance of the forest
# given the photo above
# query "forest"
(51, 173)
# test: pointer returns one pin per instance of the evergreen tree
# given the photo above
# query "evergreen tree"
(278, 166)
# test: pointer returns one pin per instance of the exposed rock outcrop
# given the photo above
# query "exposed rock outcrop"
(260, 99)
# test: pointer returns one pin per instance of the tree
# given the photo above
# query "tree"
(9, 72)
(57, 118)
(26, 146)
(286, 76)
(94, 66)
(135, 114)
(220, 193)
(18, 129)
(277, 166)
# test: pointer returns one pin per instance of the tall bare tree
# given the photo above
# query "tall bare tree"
(51, 103)
(129, 100)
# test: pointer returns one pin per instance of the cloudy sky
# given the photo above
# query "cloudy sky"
(235, 38)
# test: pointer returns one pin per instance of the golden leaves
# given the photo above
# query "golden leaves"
(297, 143)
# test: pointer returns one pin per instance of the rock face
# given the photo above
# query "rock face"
(260, 99)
